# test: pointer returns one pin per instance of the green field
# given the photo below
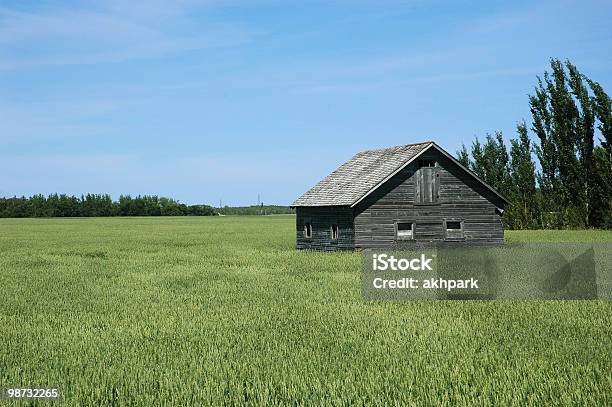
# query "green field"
(223, 310)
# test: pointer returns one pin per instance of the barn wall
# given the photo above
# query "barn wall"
(461, 197)
(322, 219)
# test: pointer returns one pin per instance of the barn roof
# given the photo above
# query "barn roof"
(365, 172)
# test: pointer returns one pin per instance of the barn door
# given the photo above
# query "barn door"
(427, 185)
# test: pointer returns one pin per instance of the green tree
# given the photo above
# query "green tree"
(565, 115)
(501, 166)
(464, 157)
(584, 138)
(601, 198)
(478, 161)
(523, 211)
(491, 162)
(603, 110)
(563, 121)
(546, 152)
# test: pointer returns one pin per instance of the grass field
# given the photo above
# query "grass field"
(188, 311)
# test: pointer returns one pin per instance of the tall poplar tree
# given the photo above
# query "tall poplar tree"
(563, 121)
(523, 211)
(601, 195)
(603, 110)
(546, 152)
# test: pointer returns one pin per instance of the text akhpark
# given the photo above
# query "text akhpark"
(432, 283)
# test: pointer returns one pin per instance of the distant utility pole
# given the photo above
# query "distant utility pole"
(259, 202)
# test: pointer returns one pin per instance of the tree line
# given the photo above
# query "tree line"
(557, 172)
(256, 210)
(61, 205)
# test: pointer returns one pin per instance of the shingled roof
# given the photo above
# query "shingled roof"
(365, 172)
(356, 177)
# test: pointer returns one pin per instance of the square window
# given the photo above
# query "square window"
(454, 225)
(453, 229)
(404, 231)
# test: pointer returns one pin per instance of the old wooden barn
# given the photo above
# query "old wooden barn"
(399, 195)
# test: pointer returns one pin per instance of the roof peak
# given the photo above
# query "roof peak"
(396, 147)
(366, 171)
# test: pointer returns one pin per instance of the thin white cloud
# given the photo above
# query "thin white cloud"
(18, 168)
(151, 10)
(373, 85)
(55, 119)
(69, 25)
(105, 35)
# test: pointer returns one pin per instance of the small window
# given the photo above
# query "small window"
(427, 163)
(453, 225)
(404, 231)
(308, 231)
(454, 229)
(334, 232)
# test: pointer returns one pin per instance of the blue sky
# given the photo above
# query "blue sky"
(209, 100)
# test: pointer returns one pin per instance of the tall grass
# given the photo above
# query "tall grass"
(189, 311)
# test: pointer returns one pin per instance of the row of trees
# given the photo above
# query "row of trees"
(97, 205)
(257, 210)
(564, 179)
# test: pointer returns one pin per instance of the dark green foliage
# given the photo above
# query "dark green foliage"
(600, 213)
(546, 153)
(463, 156)
(478, 162)
(564, 114)
(602, 106)
(601, 195)
(574, 181)
(257, 210)
(491, 162)
(523, 211)
(585, 132)
(501, 171)
(55, 205)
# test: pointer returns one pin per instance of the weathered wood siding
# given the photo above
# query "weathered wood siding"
(460, 198)
(322, 219)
